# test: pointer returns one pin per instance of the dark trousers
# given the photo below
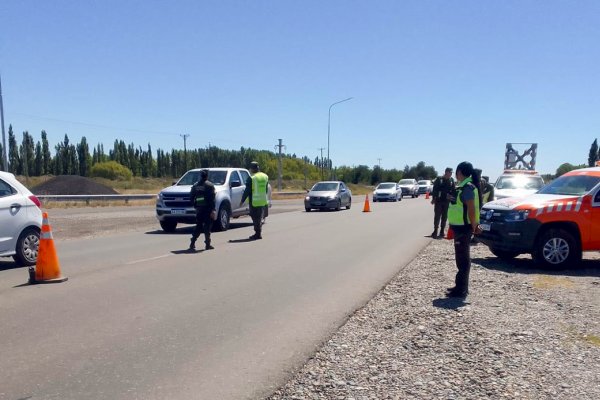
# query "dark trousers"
(256, 213)
(440, 213)
(203, 224)
(462, 252)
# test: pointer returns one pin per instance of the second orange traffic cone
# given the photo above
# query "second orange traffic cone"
(450, 234)
(367, 208)
(47, 268)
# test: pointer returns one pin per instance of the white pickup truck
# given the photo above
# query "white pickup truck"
(174, 206)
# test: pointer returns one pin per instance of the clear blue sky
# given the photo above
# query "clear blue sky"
(437, 81)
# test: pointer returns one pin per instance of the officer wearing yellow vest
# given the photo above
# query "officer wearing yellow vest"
(463, 216)
(256, 191)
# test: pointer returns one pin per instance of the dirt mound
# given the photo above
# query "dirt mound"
(71, 185)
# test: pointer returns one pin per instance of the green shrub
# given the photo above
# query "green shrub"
(111, 170)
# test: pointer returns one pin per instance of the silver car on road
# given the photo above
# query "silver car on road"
(328, 195)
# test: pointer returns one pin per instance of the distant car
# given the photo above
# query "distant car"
(410, 187)
(174, 205)
(328, 195)
(425, 186)
(517, 184)
(20, 221)
(387, 191)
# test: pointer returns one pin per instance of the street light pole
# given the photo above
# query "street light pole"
(4, 149)
(329, 130)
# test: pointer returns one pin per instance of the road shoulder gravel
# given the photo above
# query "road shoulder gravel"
(521, 334)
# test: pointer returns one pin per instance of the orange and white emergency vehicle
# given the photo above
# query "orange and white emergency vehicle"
(554, 225)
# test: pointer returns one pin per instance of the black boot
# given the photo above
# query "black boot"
(192, 244)
(434, 233)
(208, 246)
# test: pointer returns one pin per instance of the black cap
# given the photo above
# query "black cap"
(448, 170)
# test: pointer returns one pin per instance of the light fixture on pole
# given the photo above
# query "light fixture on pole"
(329, 132)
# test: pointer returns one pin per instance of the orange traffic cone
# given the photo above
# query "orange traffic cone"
(450, 234)
(427, 195)
(47, 268)
(367, 208)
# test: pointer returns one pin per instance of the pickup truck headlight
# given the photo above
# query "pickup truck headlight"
(307, 198)
(159, 197)
(516, 216)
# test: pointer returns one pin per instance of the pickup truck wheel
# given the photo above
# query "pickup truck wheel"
(307, 209)
(505, 255)
(223, 217)
(168, 226)
(27, 247)
(556, 249)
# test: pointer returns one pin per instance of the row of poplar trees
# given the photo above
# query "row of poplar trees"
(31, 158)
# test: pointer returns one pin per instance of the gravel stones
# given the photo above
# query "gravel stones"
(521, 334)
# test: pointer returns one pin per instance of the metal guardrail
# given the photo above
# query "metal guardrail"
(122, 197)
(96, 197)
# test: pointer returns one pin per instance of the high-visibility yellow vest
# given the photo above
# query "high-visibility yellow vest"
(457, 212)
(259, 189)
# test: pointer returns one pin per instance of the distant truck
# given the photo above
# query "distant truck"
(174, 205)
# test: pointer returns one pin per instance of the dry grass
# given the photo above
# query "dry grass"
(548, 282)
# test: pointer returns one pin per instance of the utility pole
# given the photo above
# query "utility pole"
(280, 146)
(185, 136)
(321, 148)
(4, 149)
(379, 163)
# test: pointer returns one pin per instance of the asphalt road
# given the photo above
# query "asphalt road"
(141, 318)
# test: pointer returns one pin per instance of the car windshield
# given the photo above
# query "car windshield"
(406, 182)
(575, 185)
(519, 182)
(386, 186)
(325, 187)
(191, 177)
(423, 182)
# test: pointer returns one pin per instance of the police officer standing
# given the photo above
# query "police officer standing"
(256, 190)
(463, 216)
(443, 186)
(203, 198)
(487, 190)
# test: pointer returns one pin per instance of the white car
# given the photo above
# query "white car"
(20, 221)
(409, 187)
(425, 186)
(387, 191)
(517, 184)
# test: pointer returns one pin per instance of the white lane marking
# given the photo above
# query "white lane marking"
(147, 259)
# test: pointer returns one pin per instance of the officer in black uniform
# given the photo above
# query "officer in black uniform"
(203, 198)
(443, 186)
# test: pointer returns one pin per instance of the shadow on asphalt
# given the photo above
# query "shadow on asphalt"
(189, 229)
(449, 303)
(526, 266)
(187, 251)
(7, 265)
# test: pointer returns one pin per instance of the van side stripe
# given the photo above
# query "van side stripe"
(569, 205)
(578, 206)
(540, 210)
(559, 207)
(550, 208)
